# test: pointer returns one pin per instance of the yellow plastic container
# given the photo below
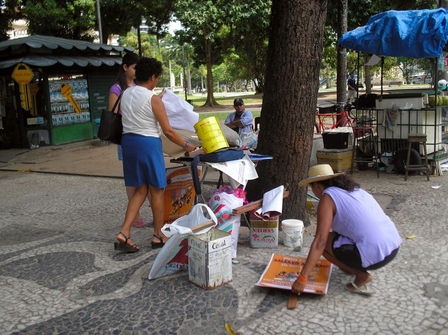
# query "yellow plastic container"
(210, 135)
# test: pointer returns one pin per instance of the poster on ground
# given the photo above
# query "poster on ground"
(282, 271)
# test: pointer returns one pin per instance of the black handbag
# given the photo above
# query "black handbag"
(111, 127)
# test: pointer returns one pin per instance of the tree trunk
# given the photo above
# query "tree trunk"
(211, 102)
(290, 99)
(367, 76)
(341, 65)
(188, 81)
(105, 36)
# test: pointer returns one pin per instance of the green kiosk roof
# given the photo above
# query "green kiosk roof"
(40, 50)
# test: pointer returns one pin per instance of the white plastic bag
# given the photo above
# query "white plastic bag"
(222, 204)
(180, 113)
(173, 256)
(249, 140)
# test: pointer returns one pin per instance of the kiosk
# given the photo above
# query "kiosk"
(51, 89)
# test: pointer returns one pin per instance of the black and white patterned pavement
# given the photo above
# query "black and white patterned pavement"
(59, 273)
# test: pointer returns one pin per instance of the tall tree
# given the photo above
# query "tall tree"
(203, 22)
(73, 19)
(250, 24)
(158, 14)
(119, 16)
(290, 98)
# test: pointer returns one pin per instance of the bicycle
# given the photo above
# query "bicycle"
(343, 119)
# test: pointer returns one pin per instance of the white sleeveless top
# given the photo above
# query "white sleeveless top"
(136, 110)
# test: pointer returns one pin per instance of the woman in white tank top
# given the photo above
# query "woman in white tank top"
(144, 119)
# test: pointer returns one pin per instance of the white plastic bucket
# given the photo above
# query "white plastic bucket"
(292, 233)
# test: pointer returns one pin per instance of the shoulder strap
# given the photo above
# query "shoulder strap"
(116, 104)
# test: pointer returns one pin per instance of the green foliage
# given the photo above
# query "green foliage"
(234, 27)
(149, 44)
(119, 16)
(250, 29)
(157, 14)
(202, 17)
(72, 19)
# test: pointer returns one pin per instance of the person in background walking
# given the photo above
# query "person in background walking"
(144, 118)
(352, 89)
(125, 79)
(353, 232)
(241, 120)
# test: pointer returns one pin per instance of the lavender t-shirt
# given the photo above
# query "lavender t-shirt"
(360, 220)
(115, 89)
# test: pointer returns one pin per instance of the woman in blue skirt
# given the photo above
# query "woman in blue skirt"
(144, 119)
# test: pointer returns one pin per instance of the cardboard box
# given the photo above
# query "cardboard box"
(263, 234)
(210, 259)
(339, 159)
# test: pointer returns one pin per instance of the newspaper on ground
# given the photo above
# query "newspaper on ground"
(282, 271)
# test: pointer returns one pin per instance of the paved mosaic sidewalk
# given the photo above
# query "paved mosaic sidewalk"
(59, 273)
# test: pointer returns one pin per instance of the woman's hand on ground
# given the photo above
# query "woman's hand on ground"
(298, 286)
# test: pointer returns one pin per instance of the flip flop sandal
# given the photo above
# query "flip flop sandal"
(362, 289)
(124, 246)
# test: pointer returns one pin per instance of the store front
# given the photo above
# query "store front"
(53, 89)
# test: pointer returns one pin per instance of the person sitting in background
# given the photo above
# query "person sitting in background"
(125, 79)
(353, 232)
(144, 118)
(241, 120)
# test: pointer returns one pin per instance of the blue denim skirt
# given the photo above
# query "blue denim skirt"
(143, 162)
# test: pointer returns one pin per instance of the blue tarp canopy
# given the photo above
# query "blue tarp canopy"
(409, 33)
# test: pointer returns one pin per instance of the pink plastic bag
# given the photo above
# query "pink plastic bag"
(222, 202)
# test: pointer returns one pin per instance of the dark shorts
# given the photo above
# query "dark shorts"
(348, 254)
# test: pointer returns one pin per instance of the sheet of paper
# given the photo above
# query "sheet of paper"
(180, 113)
(272, 203)
(240, 170)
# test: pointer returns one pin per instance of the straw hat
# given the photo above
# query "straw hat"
(319, 172)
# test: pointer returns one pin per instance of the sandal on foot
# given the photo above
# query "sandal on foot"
(361, 289)
(156, 245)
(125, 245)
